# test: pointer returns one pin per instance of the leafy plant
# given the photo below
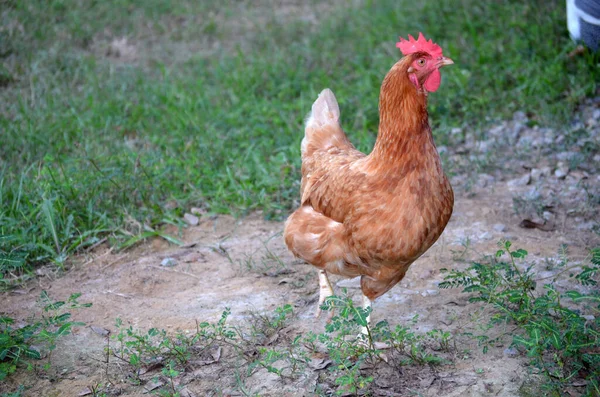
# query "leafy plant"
(551, 327)
(349, 352)
(27, 344)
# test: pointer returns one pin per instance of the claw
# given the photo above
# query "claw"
(325, 291)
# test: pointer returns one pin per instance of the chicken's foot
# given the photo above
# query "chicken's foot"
(325, 291)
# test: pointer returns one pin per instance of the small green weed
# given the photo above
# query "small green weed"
(350, 363)
(156, 348)
(350, 353)
(30, 343)
(558, 330)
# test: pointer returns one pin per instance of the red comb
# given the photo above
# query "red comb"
(411, 46)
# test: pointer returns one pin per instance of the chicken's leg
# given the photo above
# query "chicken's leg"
(366, 304)
(325, 290)
(365, 333)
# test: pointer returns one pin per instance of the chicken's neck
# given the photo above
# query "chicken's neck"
(404, 132)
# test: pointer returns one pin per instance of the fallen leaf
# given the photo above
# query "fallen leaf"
(100, 331)
(319, 363)
(529, 224)
(85, 392)
(579, 50)
(216, 354)
(152, 367)
(272, 339)
(278, 272)
(152, 385)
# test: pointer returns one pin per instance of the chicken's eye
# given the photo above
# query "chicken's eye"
(421, 62)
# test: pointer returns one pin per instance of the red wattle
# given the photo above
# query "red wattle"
(433, 81)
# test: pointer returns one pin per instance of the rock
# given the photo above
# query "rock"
(518, 127)
(484, 146)
(564, 156)
(536, 174)
(589, 317)
(546, 171)
(168, 262)
(430, 292)
(499, 227)
(442, 149)
(485, 236)
(485, 180)
(522, 181)
(596, 114)
(409, 291)
(526, 140)
(547, 215)
(190, 219)
(586, 225)
(532, 194)
(100, 331)
(520, 116)
(510, 352)
(561, 171)
(497, 130)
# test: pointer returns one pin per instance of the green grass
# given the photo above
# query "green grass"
(210, 112)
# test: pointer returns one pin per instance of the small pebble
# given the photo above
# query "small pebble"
(520, 116)
(546, 171)
(191, 220)
(547, 215)
(499, 227)
(522, 181)
(410, 292)
(484, 180)
(589, 317)
(561, 170)
(586, 225)
(485, 236)
(510, 352)
(536, 174)
(168, 262)
(430, 292)
(560, 173)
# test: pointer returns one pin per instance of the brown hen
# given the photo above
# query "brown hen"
(374, 215)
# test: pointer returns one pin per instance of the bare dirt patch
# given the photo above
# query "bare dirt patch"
(243, 265)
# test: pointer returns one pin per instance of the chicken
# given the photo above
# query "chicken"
(373, 215)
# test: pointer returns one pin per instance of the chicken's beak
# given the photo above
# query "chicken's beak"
(444, 62)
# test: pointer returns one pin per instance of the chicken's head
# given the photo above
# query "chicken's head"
(427, 59)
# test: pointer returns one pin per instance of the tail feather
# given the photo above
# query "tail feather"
(324, 111)
(323, 126)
